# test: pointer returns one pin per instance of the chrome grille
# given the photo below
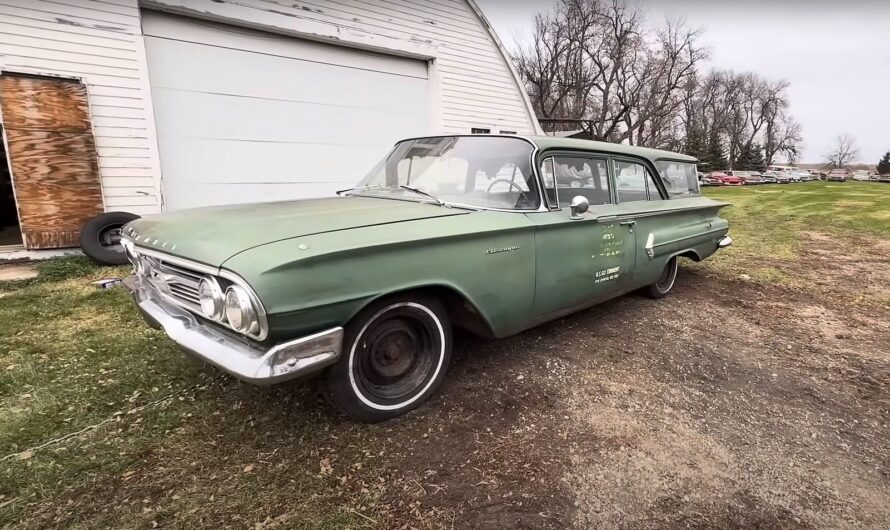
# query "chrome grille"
(176, 281)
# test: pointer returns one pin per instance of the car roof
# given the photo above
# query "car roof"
(553, 142)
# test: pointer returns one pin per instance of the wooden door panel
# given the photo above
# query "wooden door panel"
(45, 104)
(52, 152)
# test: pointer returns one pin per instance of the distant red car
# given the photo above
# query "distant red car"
(721, 178)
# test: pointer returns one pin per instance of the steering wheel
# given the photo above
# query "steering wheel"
(510, 182)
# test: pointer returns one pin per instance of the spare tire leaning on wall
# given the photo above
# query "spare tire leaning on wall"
(100, 237)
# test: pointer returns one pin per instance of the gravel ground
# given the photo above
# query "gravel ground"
(729, 404)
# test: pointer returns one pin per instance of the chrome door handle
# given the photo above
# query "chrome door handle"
(628, 223)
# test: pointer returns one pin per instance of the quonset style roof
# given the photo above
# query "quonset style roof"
(552, 142)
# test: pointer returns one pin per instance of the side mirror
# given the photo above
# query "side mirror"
(578, 206)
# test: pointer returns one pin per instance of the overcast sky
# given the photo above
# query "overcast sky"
(835, 54)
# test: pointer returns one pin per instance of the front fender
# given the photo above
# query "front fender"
(323, 280)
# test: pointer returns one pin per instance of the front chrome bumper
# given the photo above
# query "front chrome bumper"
(282, 362)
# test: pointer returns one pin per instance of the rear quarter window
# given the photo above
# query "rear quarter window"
(680, 178)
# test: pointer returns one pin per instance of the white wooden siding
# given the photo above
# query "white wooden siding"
(100, 43)
(476, 86)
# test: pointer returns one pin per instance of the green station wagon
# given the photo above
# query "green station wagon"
(490, 234)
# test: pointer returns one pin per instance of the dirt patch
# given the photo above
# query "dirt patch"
(729, 404)
(9, 273)
(749, 416)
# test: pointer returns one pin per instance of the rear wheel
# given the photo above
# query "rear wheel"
(395, 354)
(665, 281)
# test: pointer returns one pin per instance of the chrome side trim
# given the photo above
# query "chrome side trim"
(242, 359)
(686, 238)
(650, 246)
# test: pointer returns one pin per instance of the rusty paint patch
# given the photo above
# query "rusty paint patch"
(281, 13)
(109, 28)
(307, 8)
(67, 22)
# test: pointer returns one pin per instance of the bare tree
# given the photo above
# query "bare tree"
(596, 65)
(782, 135)
(843, 151)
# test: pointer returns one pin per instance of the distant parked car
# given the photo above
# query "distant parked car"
(747, 177)
(780, 176)
(803, 175)
(755, 177)
(884, 178)
(861, 174)
(724, 179)
(768, 177)
(837, 175)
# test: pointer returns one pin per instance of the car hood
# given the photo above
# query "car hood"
(213, 235)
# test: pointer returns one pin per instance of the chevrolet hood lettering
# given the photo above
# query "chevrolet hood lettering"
(213, 235)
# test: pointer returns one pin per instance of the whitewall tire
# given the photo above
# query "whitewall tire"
(665, 281)
(395, 354)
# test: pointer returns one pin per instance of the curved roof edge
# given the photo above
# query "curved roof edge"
(553, 142)
(509, 62)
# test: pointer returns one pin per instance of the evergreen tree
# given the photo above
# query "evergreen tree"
(715, 155)
(884, 164)
(697, 147)
(751, 158)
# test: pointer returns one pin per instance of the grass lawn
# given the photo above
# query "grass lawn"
(104, 423)
(769, 222)
(162, 442)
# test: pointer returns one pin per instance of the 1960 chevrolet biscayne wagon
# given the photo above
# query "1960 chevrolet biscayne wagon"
(492, 234)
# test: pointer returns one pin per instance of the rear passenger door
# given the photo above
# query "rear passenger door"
(641, 204)
(584, 259)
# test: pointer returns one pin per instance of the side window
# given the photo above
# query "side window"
(567, 176)
(680, 178)
(634, 182)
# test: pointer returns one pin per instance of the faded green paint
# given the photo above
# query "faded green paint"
(315, 263)
(551, 142)
(213, 235)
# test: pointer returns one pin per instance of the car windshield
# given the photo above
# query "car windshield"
(474, 171)
(680, 178)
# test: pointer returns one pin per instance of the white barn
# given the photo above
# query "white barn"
(155, 105)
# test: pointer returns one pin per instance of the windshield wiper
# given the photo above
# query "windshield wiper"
(425, 194)
(347, 190)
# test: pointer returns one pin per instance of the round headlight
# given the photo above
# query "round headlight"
(212, 299)
(240, 313)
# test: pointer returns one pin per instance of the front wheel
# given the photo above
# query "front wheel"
(395, 354)
(665, 281)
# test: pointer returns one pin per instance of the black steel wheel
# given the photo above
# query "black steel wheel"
(100, 237)
(395, 354)
(665, 281)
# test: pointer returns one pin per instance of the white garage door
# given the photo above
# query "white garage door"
(246, 116)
